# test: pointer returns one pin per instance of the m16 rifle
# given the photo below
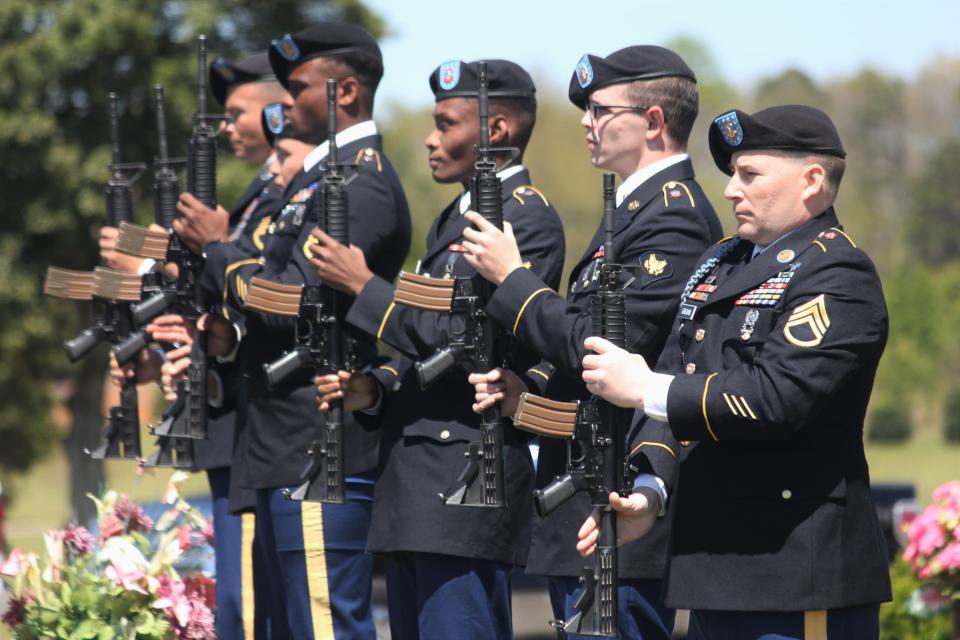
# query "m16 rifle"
(111, 294)
(187, 416)
(598, 432)
(476, 342)
(321, 341)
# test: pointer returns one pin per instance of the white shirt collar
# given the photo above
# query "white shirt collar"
(629, 185)
(503, 175)
(345, 137)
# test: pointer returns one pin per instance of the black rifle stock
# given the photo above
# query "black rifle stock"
(321, 341)
(598, 431)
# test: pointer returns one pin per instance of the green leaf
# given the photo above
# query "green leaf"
(146, 623)
(88, 629)
(66, 594)
(106, 633)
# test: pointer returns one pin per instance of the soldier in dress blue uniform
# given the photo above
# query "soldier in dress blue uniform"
(447, 567)
(763, 384)
(639, 106)
(243, 87)
(320, 574)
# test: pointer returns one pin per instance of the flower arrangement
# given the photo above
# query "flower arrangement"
(933, 548)
(119, 584)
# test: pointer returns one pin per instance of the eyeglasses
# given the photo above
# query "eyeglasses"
(597, 111)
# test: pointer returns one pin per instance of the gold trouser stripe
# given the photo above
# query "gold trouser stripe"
(653, 444)
(703, 406)
(248, 525)
(516, 323)
(229, 270)
(539, 373)
(383, 322)
(311, 514)
(815, 625)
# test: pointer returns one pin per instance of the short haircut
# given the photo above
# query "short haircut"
(833, 168)
(523, 112)
(364, 66)
(677, 97)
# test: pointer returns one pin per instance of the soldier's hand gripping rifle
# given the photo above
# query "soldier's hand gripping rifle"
(595, 458)
(476, 342)
(111, 294)
(187, 416)
(321, 341)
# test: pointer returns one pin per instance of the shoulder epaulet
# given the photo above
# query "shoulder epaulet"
(673, 190)
(825, 238)
(369, 156)
(526, 191)
(726, 240)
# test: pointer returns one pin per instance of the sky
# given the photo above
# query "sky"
(748, 39)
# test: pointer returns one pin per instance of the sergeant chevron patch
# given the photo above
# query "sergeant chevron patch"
(808, 323)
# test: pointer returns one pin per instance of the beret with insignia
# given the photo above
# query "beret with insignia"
(226, 74)
(273, 123)
(457, 79)
(641, 62)
(349, 43)
(791, 127)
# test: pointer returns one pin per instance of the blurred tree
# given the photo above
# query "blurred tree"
(790, 87)
(934, 226)
(60, 59)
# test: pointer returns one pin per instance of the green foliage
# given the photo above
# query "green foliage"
(889, 424)
(60, 60)
(901, 619)
(935, 231)
(951, 421)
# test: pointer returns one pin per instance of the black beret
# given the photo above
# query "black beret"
(273, 123)
(327, 39)
(792, 127)
(225, 74)
(457, 79)
(641, 62)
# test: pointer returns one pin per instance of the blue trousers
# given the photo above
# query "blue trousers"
(438, 597)
(318, 569)
(643, 616)
(850, 623)
(239, 561)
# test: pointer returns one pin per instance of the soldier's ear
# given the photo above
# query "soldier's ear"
(499, 129)
(348, 93)
(812, 181)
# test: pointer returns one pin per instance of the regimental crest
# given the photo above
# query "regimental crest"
(653, 267)
(584, 72)
(449, 74)
(730, 128)
(808, 323)
(274, 114)
(220, 66)
(287, 47)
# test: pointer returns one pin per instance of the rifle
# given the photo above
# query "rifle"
(111, 294)
(476, 342)
(187, 417)
(599, 429)
(321, 341)
(119, 210)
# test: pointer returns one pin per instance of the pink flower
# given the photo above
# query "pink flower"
(132, 515)
(183, 537)
(200, 622)
(202, 586)
(125, 564)
(16, 609)
(110, 526)
(949, 558)
(925, 535)
(78, 540)
(14, 565)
